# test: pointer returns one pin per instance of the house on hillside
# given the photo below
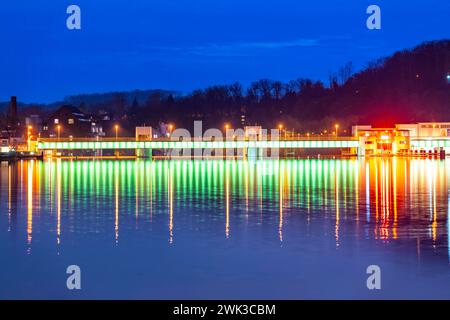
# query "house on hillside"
(69, 121)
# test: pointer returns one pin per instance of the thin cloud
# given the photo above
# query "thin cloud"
(236, 49)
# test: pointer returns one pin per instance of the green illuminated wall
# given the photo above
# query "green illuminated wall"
(430, 143)
(97, 145)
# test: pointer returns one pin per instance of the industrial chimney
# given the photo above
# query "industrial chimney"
(11, 116)
(12, 112)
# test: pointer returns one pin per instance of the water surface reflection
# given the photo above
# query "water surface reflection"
(290, 220)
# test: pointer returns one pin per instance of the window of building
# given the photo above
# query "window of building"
(56, 120)
(70, 121)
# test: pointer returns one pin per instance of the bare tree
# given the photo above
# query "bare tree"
(345, 72)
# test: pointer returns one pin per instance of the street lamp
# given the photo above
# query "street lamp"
(337, 127)
(58, 127)
(29, 136)
(116, 127)
(227, 126)
(280, 128)
(170, 129)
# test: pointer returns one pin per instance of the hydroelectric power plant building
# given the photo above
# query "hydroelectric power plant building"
(403, 139)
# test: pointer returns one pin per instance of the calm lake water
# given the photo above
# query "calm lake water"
(225, 229)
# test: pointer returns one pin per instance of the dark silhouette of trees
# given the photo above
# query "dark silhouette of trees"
(410, 85)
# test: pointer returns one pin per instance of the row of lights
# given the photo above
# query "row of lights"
(280, 127)
(171, 127)
(227, 126)
(58, 129)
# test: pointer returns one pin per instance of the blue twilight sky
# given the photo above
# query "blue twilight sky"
(188, 44)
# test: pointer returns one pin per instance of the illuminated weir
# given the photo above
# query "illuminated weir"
(257, 149)
(52, 147)
(421, 139)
